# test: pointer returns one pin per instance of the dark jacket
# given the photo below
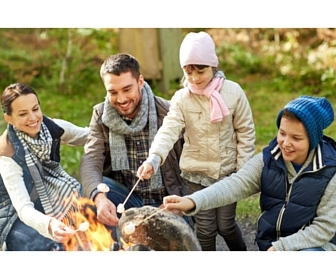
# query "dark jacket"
(11, 146)
(287, 208)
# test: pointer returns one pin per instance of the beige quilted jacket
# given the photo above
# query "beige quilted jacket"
(210, 149)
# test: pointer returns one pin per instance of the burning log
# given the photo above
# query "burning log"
(164, 231)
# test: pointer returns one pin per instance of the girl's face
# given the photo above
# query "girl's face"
(293, 140)
(199, 78)
(26, 114)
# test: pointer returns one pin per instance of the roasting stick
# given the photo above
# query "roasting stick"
(82, 227)
(130, 228)
(131, 191)
(121, 208)
(157, 212)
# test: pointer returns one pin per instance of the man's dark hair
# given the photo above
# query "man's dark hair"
(120, 63)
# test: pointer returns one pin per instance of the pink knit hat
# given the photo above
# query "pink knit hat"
(198, 48)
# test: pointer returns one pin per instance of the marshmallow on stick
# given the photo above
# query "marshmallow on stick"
(120, 207)
(83, 226)
(130, 227)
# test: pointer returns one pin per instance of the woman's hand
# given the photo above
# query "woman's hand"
(174, 202)
(59, 231)
(145, 171)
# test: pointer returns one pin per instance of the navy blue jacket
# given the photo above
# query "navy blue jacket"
(8, 214)
(288, 208)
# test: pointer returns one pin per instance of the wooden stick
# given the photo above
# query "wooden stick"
(152, 215)
(131, 191)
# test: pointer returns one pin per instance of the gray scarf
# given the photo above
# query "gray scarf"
(56, 189)
(118, 128)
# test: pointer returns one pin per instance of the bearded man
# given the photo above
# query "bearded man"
(121, 131)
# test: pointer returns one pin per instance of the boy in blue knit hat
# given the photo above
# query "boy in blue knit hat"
(295, 176)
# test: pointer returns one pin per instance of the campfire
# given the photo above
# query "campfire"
(97, 237)
(154, 230)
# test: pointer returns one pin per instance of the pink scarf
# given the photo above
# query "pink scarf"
(218, 108)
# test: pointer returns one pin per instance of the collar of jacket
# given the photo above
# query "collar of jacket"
(325, 153)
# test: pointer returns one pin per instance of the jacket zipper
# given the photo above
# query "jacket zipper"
(281, 213)
(288, 193)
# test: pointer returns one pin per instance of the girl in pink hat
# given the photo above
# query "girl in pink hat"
(219, 136)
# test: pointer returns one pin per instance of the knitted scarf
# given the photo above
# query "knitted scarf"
(218, 108)
(56, 189)
(118, 128)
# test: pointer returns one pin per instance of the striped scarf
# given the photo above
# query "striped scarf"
(56, 189)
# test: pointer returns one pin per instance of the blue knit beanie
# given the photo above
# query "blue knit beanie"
(316, 114)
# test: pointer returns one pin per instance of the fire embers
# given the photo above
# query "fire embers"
(164, 231)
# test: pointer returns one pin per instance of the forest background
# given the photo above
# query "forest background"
(273, 66)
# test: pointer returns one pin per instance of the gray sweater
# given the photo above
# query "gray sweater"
(246, 182)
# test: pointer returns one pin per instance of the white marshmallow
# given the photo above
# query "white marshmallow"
(120, 208)
(129, 228)
(84, 226)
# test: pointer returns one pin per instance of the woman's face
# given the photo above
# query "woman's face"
(293, 140)
(26, 114)
(199, 78)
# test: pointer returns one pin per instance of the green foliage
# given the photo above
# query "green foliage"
(248, 209)
(70, 160)
(65, 60)
(302, 60)
(236, 58)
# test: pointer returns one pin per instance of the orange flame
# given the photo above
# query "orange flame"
(96, 238)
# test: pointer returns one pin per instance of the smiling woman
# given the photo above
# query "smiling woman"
(27, 115)
(37, 196)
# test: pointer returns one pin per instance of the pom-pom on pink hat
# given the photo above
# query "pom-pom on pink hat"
(198, 48)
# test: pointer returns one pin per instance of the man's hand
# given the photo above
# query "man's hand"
(106, 210)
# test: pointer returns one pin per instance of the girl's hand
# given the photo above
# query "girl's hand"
(174, 202)
(145, 171)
